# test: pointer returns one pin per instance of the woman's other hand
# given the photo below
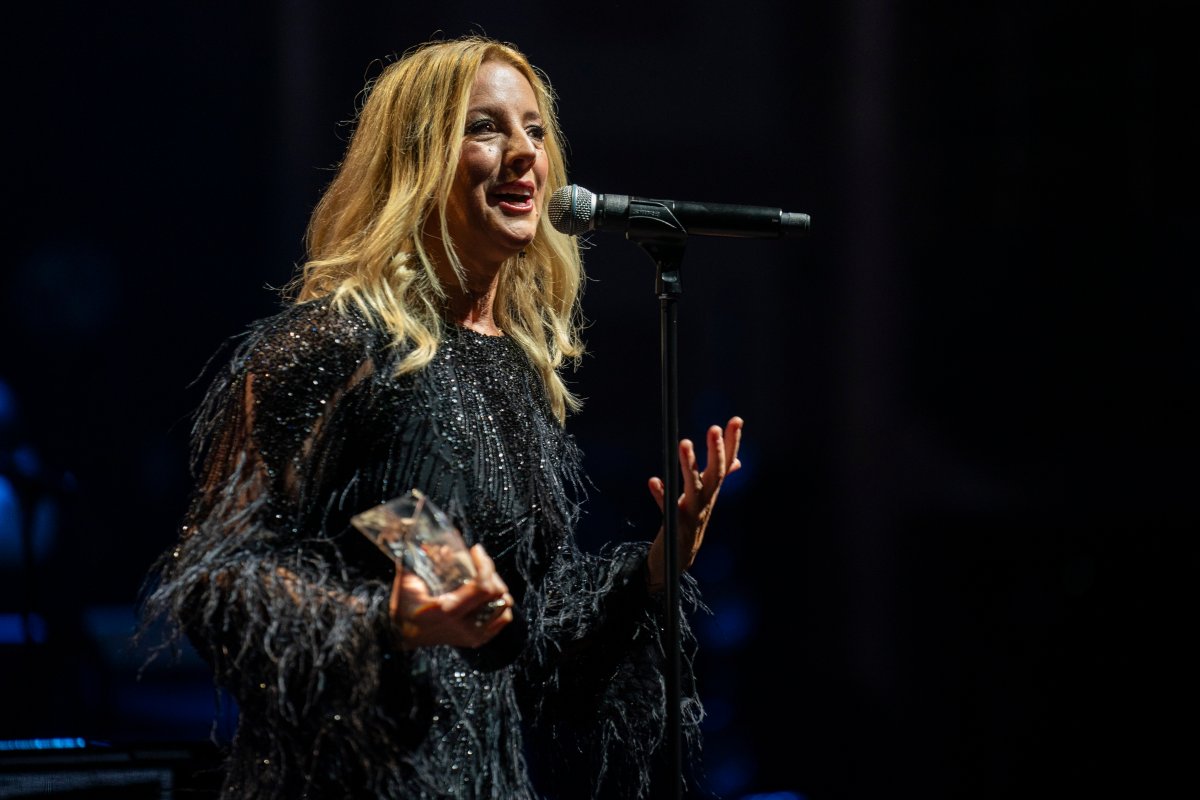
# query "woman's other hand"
(700, 490)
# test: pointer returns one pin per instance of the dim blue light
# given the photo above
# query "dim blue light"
(732, 623)
(13, 629)
(43, 744)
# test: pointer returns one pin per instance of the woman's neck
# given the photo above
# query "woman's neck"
(473, 308)
(472, 305)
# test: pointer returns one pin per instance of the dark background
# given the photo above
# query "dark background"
(954, 564)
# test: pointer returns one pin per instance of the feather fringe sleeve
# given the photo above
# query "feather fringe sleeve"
(600, 687)
(257, 583)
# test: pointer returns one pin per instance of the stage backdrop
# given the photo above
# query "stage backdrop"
(953, 565)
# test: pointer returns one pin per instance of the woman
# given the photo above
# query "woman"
(423, 352)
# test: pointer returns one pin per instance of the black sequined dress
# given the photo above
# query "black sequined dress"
(307, 426)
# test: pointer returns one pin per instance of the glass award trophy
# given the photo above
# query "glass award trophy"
(415, 532)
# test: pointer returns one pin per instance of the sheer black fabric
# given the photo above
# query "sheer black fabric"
(308, 425)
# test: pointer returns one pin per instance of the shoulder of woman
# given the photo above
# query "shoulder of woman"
(311, 337)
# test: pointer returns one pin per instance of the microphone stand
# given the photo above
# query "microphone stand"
(665, 246)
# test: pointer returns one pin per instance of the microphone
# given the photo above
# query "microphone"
(574, 210)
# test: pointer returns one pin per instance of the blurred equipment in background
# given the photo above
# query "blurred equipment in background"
(77, 768)
(30, 496)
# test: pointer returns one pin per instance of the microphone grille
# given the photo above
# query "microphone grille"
(571, 210)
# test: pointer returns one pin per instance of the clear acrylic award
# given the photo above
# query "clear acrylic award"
(418, 534)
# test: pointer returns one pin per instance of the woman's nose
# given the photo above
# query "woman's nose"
(521, 151)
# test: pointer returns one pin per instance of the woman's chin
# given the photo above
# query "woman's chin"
(520, 238)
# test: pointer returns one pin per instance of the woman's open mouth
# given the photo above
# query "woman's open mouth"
(514, 198)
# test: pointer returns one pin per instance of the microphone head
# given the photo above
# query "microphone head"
(572, 209)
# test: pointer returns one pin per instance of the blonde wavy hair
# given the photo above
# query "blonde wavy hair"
(364, 239)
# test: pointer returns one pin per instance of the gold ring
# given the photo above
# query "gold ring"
(489, 611)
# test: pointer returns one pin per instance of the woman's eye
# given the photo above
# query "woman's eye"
(536, 132)
(481, 126)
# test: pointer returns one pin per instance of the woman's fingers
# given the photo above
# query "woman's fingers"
(657, 490)
(486, 576)
(410, 599)
(722, 459)
(486, 605)
(714, 468)
(733, 441)
(468, 616)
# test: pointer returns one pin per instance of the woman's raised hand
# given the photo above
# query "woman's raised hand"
(695, 506)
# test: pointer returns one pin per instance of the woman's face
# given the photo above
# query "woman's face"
(493, 209)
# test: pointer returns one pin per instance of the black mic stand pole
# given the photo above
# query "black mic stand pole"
(666, 247)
